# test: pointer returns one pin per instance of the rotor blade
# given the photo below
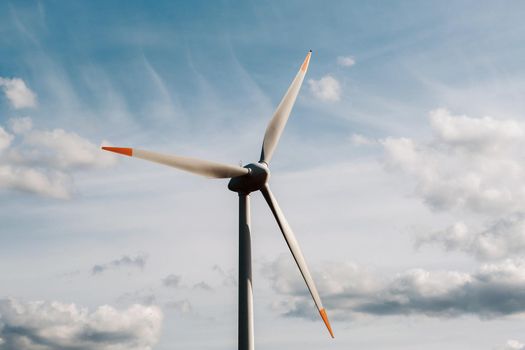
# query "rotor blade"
(276, 126)
(193, 165)
(296, 252)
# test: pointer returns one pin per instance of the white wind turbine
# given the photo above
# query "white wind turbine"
(244, 180)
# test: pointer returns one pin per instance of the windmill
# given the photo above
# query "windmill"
(245, 180)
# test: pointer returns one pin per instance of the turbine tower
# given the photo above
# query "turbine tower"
(245, 180)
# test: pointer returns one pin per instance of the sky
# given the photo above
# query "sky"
(401, 171)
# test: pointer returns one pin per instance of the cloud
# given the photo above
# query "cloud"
(53, 325)
(21, 125)
(181, 306)
(478, 135)
(512, 345)
(203, 285)
(455, 237)
(229, 278)
(45, 182)
(172, 281)
(326, 89)
(126, 261)
(17, 92)
(5, 139)
(472, 163)
(143, 297)
(42, 161)
(495, 290)
(360, 140)
(345, 61)
(66, 150)
(503, 238)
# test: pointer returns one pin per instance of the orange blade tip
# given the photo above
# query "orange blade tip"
(326, 322)
(304, 67)
(121, 150)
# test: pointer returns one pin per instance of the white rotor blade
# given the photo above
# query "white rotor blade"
(276, 126)
(193, 165)
(296, 252)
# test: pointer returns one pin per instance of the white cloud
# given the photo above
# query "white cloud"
(20, 125)
(54, 325)
(475, 165)
(66, 150)
(5, 139)
(326, 89)
(503, 238)
(512, 345)
(43, 182)
(348, 290)
(455, 237)
(360, 140)
(476, 134)
(42, 161)
(17, 92)
(345, 61)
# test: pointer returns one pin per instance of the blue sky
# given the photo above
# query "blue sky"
(400, 171)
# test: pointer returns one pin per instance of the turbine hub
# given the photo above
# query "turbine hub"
(251, 182)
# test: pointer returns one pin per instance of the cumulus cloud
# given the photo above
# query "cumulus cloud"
(503, 238)
(345, 61)
(42, 161)
(455, 237)
(54, 325)
(326, 89)
(126, 261)
(17, 93)
(348, 290)
(44, 182)
(473, 165)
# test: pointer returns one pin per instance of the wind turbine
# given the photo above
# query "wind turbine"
(244, 180)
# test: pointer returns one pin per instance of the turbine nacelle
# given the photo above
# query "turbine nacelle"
(255, 180)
